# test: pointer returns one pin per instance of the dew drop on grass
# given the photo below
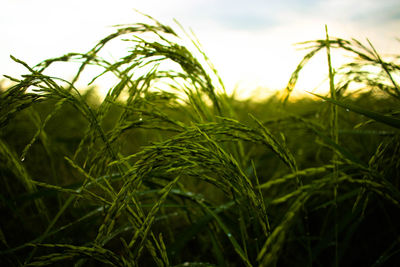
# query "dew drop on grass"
(347, 109)
(229, 235)
(22, 159)
(140, 119)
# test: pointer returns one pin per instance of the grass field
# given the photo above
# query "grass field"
(191, 176)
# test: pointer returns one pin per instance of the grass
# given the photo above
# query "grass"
(190, 176)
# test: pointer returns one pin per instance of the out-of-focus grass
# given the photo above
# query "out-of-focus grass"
(192, 176)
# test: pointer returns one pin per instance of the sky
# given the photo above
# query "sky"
(251, 43)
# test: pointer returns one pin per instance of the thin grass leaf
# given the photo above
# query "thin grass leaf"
(228, 233)
(388, 120)
(9, 160)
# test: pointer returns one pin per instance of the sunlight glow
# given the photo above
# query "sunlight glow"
(256, 61)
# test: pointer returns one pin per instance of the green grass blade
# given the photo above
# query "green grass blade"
(228, 233)
(388, 120)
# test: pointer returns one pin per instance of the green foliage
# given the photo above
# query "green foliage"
(190, 176)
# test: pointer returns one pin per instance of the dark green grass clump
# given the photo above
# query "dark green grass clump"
(190, 176)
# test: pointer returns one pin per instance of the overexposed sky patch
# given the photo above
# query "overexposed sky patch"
(249, 42)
